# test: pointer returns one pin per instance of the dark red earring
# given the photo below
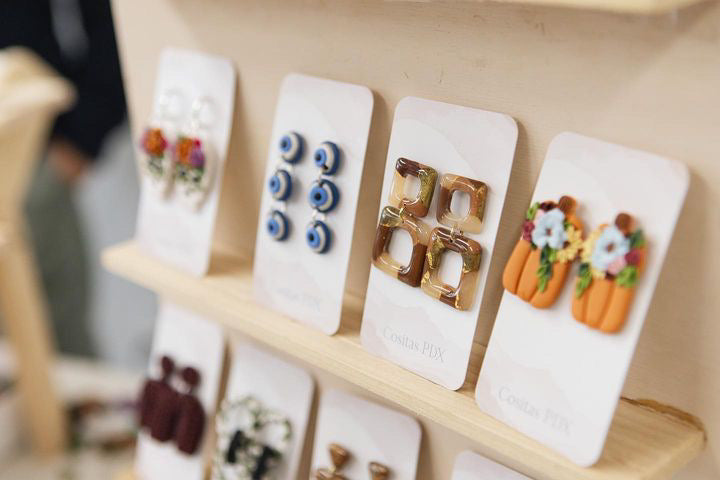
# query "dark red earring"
(147, 402)
(191, 415)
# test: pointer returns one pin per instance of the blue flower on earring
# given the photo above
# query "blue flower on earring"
(327, 158)
(291, 147)
(277, 225)
(324, 196)
(318, 237)
(280, 185)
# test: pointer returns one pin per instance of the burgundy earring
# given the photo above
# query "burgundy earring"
(191, 415)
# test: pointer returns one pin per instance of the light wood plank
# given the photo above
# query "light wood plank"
(643, 443)
(644, 7)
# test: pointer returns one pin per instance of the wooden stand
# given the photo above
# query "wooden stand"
(30, 98)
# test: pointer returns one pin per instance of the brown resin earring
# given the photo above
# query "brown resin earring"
(551, 239)
(476, 190)
(612, 258)
(339, 457)
(191, 415)
(378, 471)
(419, 205)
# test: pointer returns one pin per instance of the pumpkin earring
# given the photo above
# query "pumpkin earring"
(443, 240)
(252, 440)
(291, 148)
(194, 156)
(612, 259)
(324, 196)
(551, 239)
(339, 457)
(156, 158)
(404, 213)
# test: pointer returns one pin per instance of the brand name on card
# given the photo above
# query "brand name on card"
(308, 301)
(420, 347)
(546, 416)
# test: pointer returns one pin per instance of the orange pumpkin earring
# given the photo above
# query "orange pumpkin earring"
(612, 258)
(550, 241)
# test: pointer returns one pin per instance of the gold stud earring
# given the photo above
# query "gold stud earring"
(339, 457)
(378, 471)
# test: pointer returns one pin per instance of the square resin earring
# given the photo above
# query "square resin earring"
(551, 239)
(477, 190)
(390, 219)
(443, 240)
(194, 156)
(427, 176)
(612, 258)
(156, 159)
(291, 147)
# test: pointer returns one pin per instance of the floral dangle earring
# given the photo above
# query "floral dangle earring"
(194, 156)
(291, 147)
(155, 158)
(324, 197)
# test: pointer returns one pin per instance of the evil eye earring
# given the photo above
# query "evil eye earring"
(324, 196)
(252, 440)
(291, 147)
(194, 156)
(155, 157)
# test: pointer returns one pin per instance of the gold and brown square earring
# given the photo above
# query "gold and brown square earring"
(551, 240)
(427, 176)
(477, 191)
(612, 259)
(339, 457)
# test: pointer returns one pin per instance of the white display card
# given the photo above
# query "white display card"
(544, 373)
(168, 228)
(369, 432)
(280, 386)
(288, 276)
(191, 341)
(471, 466)
(402, 323)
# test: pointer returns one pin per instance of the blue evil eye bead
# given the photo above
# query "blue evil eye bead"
(318, 237)
(277, 225)
(327, 157)
(280, 185)
(324, 196)
(291, 147)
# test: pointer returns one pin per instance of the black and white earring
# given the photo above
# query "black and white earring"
(291, 148)
(194, 157)
(155, 157)
(324, 196)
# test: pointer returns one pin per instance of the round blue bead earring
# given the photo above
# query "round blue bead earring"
(323, 197)
(291, 146)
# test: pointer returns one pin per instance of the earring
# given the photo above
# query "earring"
(324, 196)
(162, 405)
(245, 428)
(551, 239)
(194, 156)
(612, 258)
(291, 146)
(156, 159)
(191, 415)
(404, 213)
(152, 390)
(378, 471)
(339, 457)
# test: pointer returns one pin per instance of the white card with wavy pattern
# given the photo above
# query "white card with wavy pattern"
(288, 276)
(403, 323)
(544, 373)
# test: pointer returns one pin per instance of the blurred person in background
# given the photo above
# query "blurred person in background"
(77, 39)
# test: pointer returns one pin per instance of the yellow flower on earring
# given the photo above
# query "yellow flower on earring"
(573, 244)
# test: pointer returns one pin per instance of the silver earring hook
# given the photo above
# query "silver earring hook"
(164, 106)
(201, 105)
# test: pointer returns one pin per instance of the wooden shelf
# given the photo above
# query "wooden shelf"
(647, 7)
(644, 443)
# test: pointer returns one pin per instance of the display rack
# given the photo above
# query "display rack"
(622, 6)
(644, 443)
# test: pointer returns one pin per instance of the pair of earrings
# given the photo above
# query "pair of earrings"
(323, 197)
(179, 156)
(170, 415)
(611, 259)
(429, 246)
(339, 457)
(252, 440)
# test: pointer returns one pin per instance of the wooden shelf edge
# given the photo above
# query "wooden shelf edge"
(642, 444)
(637, 7)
